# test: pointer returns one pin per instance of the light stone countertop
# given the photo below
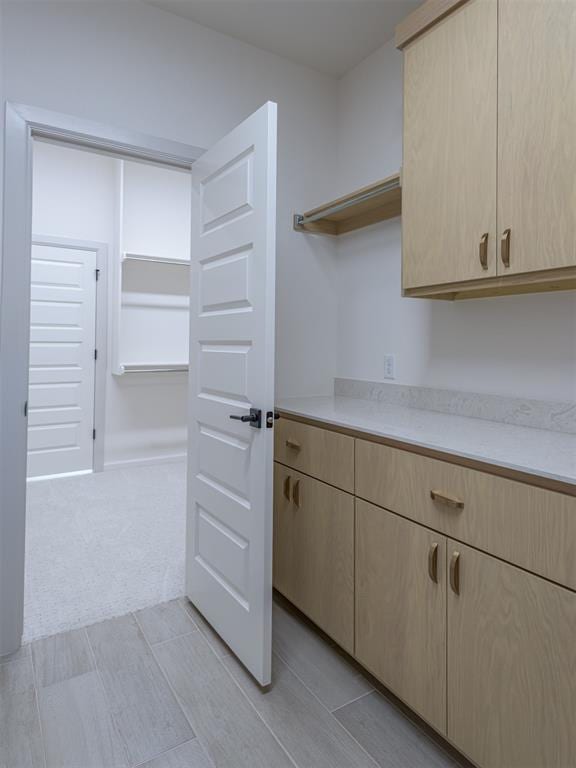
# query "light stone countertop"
(538, 452)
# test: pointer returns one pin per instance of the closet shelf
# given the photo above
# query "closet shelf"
(366, 206)
(154, 368)
(154, 259)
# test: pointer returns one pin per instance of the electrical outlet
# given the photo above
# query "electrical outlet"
(389, 367)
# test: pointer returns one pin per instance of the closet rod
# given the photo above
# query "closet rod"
(172, 368)
(155, 259)
(301, 220)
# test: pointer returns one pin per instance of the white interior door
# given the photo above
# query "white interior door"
(62, 364)
(229, 546)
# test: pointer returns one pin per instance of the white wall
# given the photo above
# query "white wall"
(75, 196)
(138, 67)
(523, 345)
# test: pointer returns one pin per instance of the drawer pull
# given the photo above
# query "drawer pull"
(296, 493)
(433, 562)
(484, 251)
(294, 444)
(287, 483)
(455, 573)
(449, 501)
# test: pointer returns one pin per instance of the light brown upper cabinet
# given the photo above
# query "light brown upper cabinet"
(537, 133)
(489, 173)
(449, 167)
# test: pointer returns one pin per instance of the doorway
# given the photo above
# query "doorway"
(23, 124)
(97, 544)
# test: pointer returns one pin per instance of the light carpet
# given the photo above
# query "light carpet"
(103, 545)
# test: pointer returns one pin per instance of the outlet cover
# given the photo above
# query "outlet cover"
(389, 367)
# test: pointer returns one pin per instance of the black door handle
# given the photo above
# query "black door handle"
(254, 418)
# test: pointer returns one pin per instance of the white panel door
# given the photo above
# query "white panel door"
(229, 547)
(62, 365)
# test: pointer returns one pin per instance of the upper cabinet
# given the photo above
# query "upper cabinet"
(537, 134)
(489, 173)
(449, 168)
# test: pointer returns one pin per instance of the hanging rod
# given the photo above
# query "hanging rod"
(168, 368)
(328, 219)
(155, 259)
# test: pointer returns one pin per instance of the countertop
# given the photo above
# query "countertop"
(537, 452)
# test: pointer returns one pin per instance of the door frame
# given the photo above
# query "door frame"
(102, 287)
(23, 123)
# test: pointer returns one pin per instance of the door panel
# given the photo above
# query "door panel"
(401, 609)
(536, 125)
(229, 534)
(450, 154)
(314, 551)
(511, 665)
(62, 365)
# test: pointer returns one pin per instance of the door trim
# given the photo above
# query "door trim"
(101, 309)
(22, 124)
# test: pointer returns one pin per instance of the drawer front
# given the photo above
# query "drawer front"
(528, 526)
(325, 455)
(314, 551)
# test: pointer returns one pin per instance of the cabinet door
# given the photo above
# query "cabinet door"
(450, 154)
(314, 551)
(401, 608)
(511, 665)
(536, 129)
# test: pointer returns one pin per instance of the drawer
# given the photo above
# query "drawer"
(528, 526)
(314, 551)
(325, 455)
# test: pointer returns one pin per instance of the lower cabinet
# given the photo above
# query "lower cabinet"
(511, 665)
(483, 650)
(401, 608)
(314, 551)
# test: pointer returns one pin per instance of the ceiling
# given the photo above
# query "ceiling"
(331, 36)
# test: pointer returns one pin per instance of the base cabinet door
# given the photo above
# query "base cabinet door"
(314, 551)
(511, 664)
(401, 608)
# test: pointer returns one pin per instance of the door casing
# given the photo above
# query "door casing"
(23, 124)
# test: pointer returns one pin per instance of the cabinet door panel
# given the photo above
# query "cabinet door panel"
(511, 666)
(314, 551)
(400, 610)
(536, 128)
(450, 153)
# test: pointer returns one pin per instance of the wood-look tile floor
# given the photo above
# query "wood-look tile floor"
(159, 689)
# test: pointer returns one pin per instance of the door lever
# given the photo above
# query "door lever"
(254, 418)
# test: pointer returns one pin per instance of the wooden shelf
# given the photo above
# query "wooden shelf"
(153, 368)
(366, 206)
(154, 259)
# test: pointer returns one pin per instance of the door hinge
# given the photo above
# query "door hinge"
(93, 434)
(26, 409)
(95, 354)
(97, 273)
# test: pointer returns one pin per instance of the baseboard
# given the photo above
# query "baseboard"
(145, 462)
(39, 478)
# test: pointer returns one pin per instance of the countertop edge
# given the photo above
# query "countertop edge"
(509, 470)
